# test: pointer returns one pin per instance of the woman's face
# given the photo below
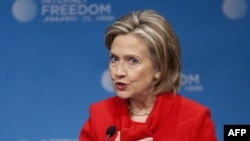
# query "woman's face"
(131, 69)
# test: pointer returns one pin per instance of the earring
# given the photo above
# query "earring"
(156, 77)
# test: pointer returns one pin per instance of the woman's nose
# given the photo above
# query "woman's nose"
(120, 70)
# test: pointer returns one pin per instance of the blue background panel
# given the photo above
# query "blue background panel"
(53, 61)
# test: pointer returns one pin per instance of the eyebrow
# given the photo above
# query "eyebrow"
(110, 53)
(128, 56)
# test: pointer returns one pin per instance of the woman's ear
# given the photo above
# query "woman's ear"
(157, 75)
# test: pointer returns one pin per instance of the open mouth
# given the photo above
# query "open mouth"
(121, 86)
(120, 83)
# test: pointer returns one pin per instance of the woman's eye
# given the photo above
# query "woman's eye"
(133, 61)
(113, 59)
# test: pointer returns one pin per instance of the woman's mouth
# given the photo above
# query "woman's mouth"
(120, 86)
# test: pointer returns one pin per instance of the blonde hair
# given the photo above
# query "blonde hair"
(162, 43)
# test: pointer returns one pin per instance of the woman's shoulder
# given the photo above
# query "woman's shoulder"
(190, 103)
(182, 101)
(189, 107)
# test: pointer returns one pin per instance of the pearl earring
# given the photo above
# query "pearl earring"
(156, 77)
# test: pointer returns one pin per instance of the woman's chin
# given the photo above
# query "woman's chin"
(123, 95)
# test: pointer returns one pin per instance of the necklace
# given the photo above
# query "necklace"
(132, 112)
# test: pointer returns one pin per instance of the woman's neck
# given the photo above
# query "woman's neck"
(140, 108)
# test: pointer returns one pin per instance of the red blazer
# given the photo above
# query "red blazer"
(173, 118)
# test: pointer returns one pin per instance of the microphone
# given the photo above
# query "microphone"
(110, 132)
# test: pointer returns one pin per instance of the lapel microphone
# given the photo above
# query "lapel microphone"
(110, 132)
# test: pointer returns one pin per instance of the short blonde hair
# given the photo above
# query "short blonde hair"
(162, 43)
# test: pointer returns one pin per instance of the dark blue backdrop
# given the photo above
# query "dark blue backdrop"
(53, 62)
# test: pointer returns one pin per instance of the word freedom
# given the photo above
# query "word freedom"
(75, 9)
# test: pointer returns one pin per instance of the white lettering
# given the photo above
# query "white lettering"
(237, 131)
(190, 79)
(105, 18)
(60, 19)
(82, 9)
(231, 132)
(243, 131)
(54, 10)
(197, 88)
(64, 10)
(62, 1)
(105, 9)
(45, 9)
(86, 18)
(72, 10)
(93, 9)
(75, 9)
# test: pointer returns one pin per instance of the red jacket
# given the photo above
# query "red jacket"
(173, 118)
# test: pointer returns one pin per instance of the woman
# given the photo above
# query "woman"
(145, 68)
